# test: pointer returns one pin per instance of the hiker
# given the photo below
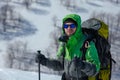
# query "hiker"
(70, 56)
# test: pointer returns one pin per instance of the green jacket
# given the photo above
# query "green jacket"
(71, 49)
(75, 42)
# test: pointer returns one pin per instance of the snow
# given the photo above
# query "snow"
(12, 74)
(42, 21)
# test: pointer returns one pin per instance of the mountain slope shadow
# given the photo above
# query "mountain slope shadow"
(94, 4)
(38, 11)
(78, 9)
(24, 29)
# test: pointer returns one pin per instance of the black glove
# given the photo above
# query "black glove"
(75, 67)
(78, 62)
(63, 38)
(40, 58)
(80, 65)
(86, 67)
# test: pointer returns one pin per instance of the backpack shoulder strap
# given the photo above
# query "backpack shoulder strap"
(84, 48)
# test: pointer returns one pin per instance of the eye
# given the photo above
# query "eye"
(65, 26)
(72, 26)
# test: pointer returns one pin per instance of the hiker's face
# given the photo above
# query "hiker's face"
(69, 28)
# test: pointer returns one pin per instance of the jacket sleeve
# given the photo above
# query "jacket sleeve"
(56, 64)
(92, 64)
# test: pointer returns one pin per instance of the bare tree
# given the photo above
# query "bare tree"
(14, 51)
(61, 2)
(53, 47)
(54, 35)
(109, 21)
(19, 56)
(118, 23)
(117, 1)
(55, 19)
(67, 3)
(9, 18)
(27, 3)
(10, 56)
(73, 4)
(4, 16)
(56, 22)
(93, 15)
(6, 1)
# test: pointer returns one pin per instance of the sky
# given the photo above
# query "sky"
(42, 21)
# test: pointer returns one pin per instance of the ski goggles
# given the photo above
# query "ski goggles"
(70, 25)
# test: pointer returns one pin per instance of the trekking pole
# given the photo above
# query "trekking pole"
(77, 73)
(76, 69)
(38, 65)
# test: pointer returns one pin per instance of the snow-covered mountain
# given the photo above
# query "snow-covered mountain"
(40, 16)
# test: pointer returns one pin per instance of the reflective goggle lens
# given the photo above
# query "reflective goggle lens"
(71, 25)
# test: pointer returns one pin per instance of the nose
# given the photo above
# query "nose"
(68, 27)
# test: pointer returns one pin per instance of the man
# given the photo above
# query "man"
(71, 59)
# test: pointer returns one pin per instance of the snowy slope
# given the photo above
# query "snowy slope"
(42, 21)
(12, 74)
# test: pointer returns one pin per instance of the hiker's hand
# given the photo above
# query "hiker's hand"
(78, 63)
(76, 67)
(40, 58)
(82, 66)
(64, 38)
